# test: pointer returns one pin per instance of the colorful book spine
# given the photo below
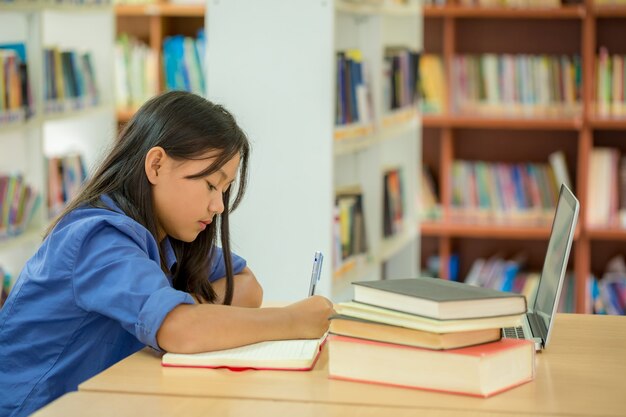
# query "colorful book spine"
(517, 85)
(18, 203)
(66, 176)
(183, 64)
(16, 99)
(610, 87)
(506, 192)
(69, 80)
(353, 104)
(135, 72)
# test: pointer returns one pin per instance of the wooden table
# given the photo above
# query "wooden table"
(581, 374)
(99, 404)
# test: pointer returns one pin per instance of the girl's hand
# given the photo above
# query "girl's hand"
(310, 317)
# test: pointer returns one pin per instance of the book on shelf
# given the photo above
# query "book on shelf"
(504, 274)
(621, 178)
(496, 272)
(350, 233)
(135, 72)
(559, 167)
(16, 100)
(353, 100)
(521, 192)
(603, 180)
(611, 289)
(182, 65)
(393, 202)
(432, 85)
(66, 175)
(517, 85)
(610, 86)
(412, 321)
(291, 355)
(438, 298)
(613, 293)
(433, 266)
(18, 203)
(428, 202)
(69, 80)
(372, 330)
(400, 78)
(5, 282)
(483, 370)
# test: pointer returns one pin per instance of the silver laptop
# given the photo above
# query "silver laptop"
(538, 321)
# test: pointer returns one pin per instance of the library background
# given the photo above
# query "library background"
(401, 138)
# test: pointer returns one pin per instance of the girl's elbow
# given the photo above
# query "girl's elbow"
(174, 334)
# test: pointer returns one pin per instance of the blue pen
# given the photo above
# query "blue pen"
(317, 270)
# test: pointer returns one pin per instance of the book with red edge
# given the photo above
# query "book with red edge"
(481, 371)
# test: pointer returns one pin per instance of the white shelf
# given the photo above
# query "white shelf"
(28, 237)
(357, 138)
(38, 6)
(355, 267)
(78, 113)
(362, 8)
(31, 123)
(392, 245)
(300, 157)
(24, 146)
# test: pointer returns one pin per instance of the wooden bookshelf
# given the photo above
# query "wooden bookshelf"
(609, 10)
(487, 230)
(454, 29)
(160, 9)
(468, 12)
(502, 122)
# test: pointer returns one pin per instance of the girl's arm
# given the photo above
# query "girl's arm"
(192, 328)
(248, 291)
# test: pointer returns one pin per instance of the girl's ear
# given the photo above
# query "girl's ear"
(153, 163)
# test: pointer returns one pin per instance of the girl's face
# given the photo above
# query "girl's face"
(186, 206)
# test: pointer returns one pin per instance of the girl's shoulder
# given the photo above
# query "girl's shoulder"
(86, 220)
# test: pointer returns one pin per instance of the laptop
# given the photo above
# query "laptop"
(538, 321)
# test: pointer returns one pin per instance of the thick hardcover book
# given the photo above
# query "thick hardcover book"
(438, 298)
(370, 330)
(482, 370)
(285, 355)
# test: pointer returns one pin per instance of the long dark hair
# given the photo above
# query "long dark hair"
(186, 126)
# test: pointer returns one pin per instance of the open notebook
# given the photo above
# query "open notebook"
(287, 355)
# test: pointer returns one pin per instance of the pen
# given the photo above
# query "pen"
(317, 270)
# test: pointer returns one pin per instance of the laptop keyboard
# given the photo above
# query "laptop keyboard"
(516, 332)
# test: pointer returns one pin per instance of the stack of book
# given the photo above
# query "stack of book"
(431, 334)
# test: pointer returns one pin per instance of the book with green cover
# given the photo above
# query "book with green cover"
(439, 299)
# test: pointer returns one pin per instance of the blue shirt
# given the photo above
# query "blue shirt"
(92, 294)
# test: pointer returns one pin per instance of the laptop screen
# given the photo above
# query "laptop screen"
(555, 263)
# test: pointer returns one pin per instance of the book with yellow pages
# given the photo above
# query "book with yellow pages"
(370, 330)
(285, 355)
(413, 321)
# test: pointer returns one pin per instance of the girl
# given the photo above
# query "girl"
(126, 264)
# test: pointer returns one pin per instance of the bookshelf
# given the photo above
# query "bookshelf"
(151, 23)
(82, 126)
(281, 86)
(579, 29)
